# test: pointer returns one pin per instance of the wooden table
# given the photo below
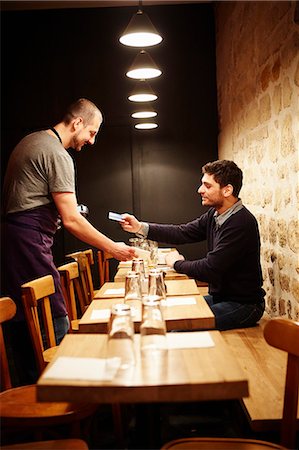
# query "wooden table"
(174, 288)
(185, 374)
(170, 274)
(182, 315)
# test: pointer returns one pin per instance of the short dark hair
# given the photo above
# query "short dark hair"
(81, 108)
(225, 172)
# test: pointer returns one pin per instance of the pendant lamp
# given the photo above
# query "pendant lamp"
(146, 125)
(143, 67)
(140, 32)
(142, 92)
(144, 113)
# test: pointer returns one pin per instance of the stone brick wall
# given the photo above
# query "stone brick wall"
(258, 102)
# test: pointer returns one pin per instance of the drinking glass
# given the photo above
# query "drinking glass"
(152, 328)
(120, 342)
(133, 290)
(154, 257)
(136, 242)
(138, 266)
(156, 284)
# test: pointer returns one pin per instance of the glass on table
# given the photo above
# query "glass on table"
(133, 291)
(136, 242)
(120, 341)
(154, 256)
(152, 328)
(138, 266)
(156, 283)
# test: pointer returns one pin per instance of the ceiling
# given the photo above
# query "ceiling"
(13, 5)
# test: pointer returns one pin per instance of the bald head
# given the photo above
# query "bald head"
(83, 108)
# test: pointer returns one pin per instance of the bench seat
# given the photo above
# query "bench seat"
(265, 367)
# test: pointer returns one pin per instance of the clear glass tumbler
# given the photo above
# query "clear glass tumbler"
(120, 343)
(156, 284)
(152, 328)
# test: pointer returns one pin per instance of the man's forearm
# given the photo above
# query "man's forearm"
(83, 230)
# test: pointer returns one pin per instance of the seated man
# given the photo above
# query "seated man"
(232, 265)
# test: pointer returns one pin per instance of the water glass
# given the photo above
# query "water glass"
(120, 343)
(156, 284)
(152, 328)
(138, 266)
(133, 292)
(154, 256)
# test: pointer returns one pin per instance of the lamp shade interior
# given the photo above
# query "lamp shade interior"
(140, 32)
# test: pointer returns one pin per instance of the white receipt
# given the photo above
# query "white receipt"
(176, 301)
(144, 254)
(100, 314)
(91, 369)
(190, 340)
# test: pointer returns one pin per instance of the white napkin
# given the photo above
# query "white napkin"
(91, 369)
(113, 291)
(100, 314)
(190, 340)
(176, 301)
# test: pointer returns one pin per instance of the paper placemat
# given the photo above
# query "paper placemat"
(113, 291)
(176, 301)
(100, 314)
(91, 369)
(189, 340)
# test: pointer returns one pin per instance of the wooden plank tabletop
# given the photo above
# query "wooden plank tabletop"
(170, 274)
(265, 367)
(174, 287)
(183, 374)
(181, 314)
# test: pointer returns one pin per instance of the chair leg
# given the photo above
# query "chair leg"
(118, 424)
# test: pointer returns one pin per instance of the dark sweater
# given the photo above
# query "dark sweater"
(232, 265)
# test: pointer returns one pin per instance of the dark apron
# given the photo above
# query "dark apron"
(27, 239)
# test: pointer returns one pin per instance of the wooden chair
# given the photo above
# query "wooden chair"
(103, 265)
(85, 260)
(60, 444)
(70, 282)
(19, 409)
(284, 335)
(36, 293)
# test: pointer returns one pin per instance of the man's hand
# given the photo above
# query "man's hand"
(123, 252)
(130, 223)
(172, 257)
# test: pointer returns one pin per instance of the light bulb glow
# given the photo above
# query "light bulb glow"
(144, 73)
(142, 97)
(145, 126)
(140, 39)
(144, 114)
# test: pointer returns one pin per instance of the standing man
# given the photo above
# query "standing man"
(232, 265)
(39, 186)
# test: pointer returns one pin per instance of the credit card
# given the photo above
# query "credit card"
(115, 216)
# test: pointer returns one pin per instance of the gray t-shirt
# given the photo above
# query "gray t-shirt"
(38, 166)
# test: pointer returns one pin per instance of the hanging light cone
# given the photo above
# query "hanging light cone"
(140, 32)
(143, 67)
(142, 92)
(144, 113)
(146, 125)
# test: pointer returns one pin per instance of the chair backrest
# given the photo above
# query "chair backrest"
(103, 265)
(34, 293)
(69, 276)
(284, 334)
(85, 260)
(7, 312)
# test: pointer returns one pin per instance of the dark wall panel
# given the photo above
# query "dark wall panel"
(50, 58)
